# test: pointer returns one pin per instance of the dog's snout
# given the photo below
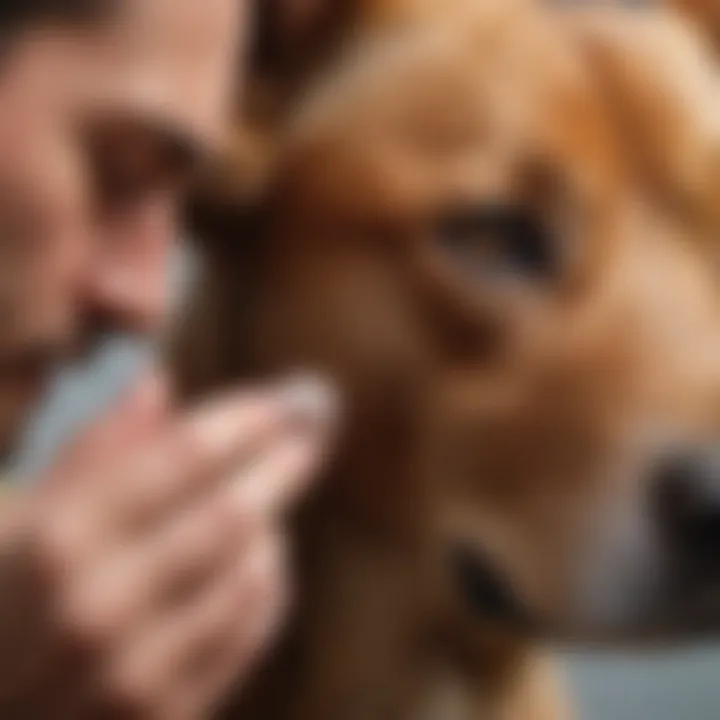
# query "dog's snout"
(687, 491)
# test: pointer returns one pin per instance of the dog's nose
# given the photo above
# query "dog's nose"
(481, 588)
(687, 490)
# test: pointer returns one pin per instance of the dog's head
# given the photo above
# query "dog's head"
(497, 226)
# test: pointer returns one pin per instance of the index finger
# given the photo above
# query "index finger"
(201, 451)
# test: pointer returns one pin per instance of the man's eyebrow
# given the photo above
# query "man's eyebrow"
(185, 148)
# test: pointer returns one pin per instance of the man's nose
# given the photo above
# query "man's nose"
(128, 283)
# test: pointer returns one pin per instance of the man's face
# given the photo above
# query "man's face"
(100, 128)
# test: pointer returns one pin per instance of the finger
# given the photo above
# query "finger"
(185, 465)
(162, 570)
(190, 551)
(217, 442)
(277, 477)
(159, 659)
(204, 688)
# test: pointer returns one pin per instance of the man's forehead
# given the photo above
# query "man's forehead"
(171, 62)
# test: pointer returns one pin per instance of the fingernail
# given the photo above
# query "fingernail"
(276, 479)
(310, 401)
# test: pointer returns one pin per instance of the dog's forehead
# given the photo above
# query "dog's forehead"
(410, 74)
(445, 109)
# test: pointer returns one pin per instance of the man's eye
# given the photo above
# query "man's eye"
(129, 164)
(120, 185)
(121, 176)
(495, 238)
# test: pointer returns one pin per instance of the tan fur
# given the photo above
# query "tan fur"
(706, 13)
(494, 412)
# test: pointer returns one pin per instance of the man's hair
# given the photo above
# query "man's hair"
(17, 16)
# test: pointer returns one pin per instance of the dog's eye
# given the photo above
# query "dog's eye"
(497, 238)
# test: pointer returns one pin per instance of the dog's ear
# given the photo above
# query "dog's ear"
(293, 41)
(706, 15)
(662, 90)
(290, 40)
(293, 35)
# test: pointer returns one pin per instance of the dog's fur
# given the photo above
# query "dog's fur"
(706, 15)
(518, 413)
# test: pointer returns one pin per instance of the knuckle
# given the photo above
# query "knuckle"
(203, 439)
(189, 447)
(267, 574)
(187, 455)
(61, 543)
(87, 625)
(133, 693)
(243, 519)
(201, 540)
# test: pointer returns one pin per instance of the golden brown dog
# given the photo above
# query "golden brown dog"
(495, 224)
